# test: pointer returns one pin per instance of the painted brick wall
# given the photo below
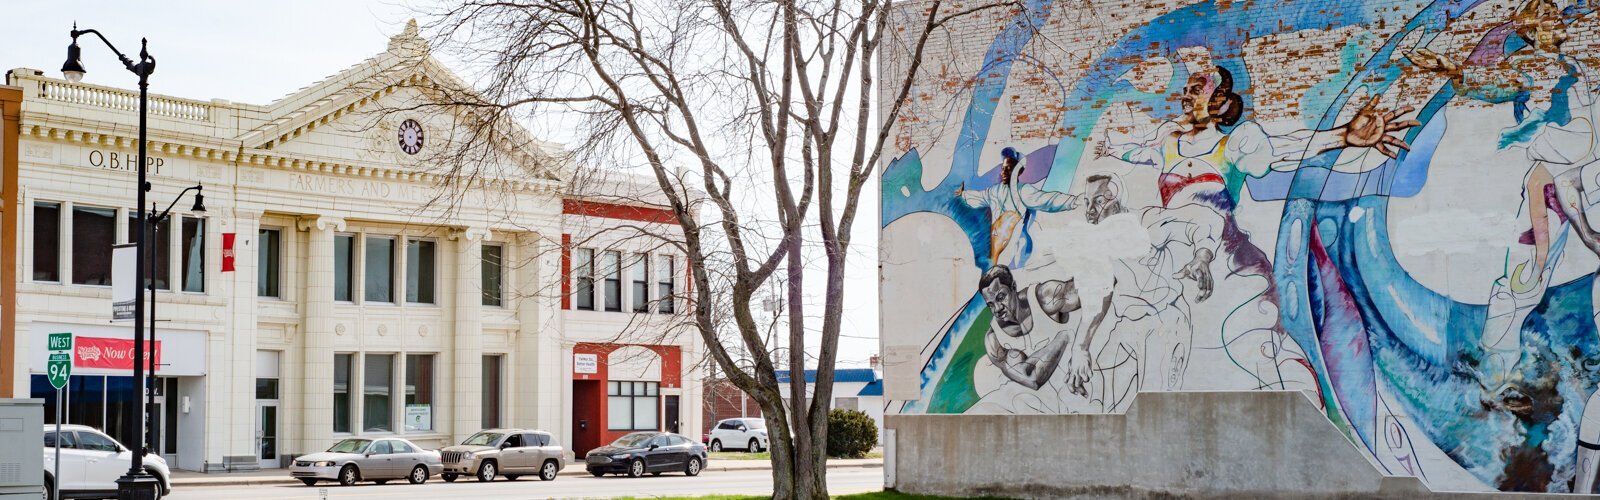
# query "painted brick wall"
(1381, 203)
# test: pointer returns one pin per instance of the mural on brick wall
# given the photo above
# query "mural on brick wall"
(1382, 203)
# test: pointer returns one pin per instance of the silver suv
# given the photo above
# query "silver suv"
(511, 453)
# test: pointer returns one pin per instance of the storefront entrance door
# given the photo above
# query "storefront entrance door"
(267, 434)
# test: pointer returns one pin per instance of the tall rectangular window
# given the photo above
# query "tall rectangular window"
(341, 392)
(631, 406)
(268, 262)
(94, 230)
(419, 392)
(666, 284)
(158, 249)
(491, 278)
(378, 285)
(491, 391)
(419, 271)
(194, 255)
(640, 269)
(377, 390)
(47, 241)
(583, 275)
(611, 266)
(344, 270)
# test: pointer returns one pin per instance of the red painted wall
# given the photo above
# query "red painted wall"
(589, 393)
(613, 211)
(566, 271)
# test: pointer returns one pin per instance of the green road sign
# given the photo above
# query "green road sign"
(61, 341)
(60, 367)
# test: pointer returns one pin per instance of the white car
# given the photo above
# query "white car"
(749, 434)
(91, 462)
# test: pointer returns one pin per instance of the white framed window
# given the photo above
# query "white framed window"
(492, 275)
(344, 267)
(377, 393)
(194, 254)
(420, 269)
(377, 284)
(583, 278)
(666, 284)
(639, 270)
(47, 242)
(269, 262)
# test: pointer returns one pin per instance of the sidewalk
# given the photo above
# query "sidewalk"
(281, 476)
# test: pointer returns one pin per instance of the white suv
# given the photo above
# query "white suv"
(747, 433)
(91, 462)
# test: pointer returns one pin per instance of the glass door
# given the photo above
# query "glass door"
(267, 434)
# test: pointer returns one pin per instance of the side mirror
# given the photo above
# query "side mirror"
(743, 428)
(654, 446)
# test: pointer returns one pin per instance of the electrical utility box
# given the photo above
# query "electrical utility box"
(21, 445)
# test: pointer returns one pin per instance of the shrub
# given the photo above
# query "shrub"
(851, 434)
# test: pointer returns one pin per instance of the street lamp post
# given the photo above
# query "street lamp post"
(155, 225)
(136, 484)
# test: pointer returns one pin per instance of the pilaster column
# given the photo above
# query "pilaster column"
(240, 287)
(317, 377)
(467, 341)
(539, 343)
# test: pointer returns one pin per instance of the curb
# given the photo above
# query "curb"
(222, 480)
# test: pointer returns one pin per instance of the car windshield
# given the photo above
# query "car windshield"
(635, 440)
(483, 439)
(350, 446)
(756, 424)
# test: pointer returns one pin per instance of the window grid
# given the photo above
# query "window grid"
(632, 405)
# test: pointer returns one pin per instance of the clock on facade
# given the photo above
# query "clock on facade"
(410, 136)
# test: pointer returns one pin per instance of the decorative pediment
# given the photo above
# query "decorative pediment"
(401, 108)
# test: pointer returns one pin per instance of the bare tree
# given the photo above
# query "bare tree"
(767, 103)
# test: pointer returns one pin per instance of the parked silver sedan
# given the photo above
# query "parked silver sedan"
(376, 460)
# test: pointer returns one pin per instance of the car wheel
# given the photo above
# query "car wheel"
(419, 475)
(49, 489)
(716, 445)
(349, 475)
(486, 471)
(694, 467)
(308, 481)
(755, 446)
(636, 468)
(547, 472)
(448, 477)
(596, 473)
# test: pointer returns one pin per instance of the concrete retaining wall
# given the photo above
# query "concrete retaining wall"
(1187, 445)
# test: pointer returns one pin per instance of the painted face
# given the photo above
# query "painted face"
(1006, 307)
(1196, 99)
(1102, 203)
(1008, 168)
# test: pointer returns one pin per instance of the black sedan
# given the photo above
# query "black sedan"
(652, 452)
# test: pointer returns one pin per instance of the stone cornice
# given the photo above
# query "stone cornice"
(97, 136)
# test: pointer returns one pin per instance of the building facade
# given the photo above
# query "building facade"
(1381, 205)
(330, 289)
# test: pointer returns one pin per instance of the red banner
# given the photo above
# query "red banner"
(227, 252)
(114, 354)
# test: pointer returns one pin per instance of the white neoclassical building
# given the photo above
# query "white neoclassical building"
(326, 291)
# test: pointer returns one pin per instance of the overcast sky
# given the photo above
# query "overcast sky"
(257, 52)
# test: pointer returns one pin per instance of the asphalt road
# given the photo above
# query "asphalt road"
(745, 482)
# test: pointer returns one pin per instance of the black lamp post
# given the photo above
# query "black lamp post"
(155, 225)
(136, 484)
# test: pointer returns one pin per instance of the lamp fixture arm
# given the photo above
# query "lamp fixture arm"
(156, 219)
(128, 63)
